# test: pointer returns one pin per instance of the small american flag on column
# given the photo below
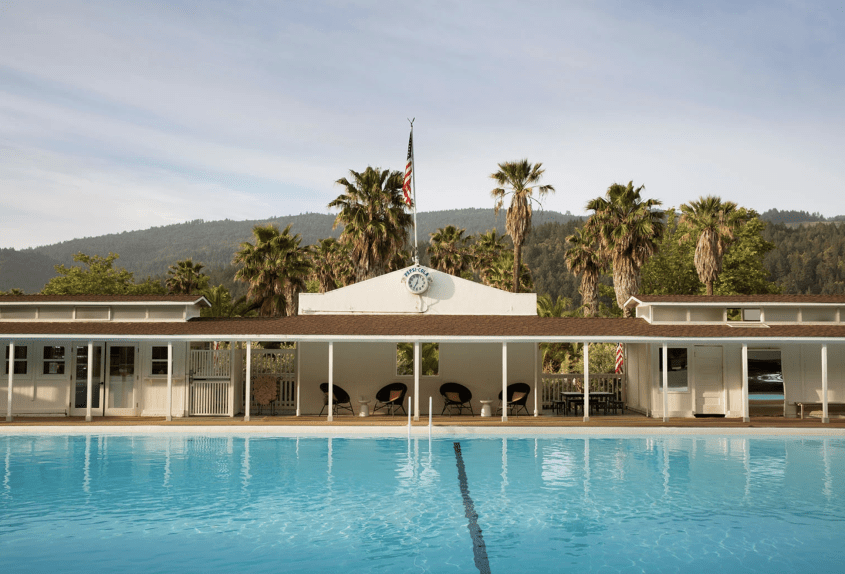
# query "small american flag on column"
(619, 357)
(406, 185)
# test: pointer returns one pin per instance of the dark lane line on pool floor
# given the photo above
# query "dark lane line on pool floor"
(479, 550)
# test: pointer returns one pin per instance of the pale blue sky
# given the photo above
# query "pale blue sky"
(125, 115)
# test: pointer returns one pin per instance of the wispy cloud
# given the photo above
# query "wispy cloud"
(119, 115)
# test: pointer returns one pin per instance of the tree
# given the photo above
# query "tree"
(185, 277)
(714, 223)
(501, 271)
(518, 179)
(671, 271)
(100, 278)
(375, 223)
(488, 247)
(743, 270)
(629, 229)
(13, 291)
(449, 250)
(275, 269)
(330, 265)
(585, 258)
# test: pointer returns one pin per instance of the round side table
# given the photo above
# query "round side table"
(486, 410)
(364, 407)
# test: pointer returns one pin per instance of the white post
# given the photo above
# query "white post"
(745, 414)
(11, 381)
(247, 395)
(417, 371)
(586, 381)
(169, 416)
(536, 377)
(298, 380)
(504, 381)
(825, 414)
(429, 417)
(330, 417)
(665, 383)
(88, 417)
(410, 405)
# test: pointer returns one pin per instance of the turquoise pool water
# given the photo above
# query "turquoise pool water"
(248, 504)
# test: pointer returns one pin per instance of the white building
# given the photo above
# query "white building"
(154, 355)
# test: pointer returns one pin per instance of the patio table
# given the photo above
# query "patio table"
(574, 399)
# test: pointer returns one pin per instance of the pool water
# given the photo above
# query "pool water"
(588, 504)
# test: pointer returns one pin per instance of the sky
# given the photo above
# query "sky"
(116, 116)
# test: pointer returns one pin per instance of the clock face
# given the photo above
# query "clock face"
(417, 283)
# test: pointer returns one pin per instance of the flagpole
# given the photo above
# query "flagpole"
(414, 186)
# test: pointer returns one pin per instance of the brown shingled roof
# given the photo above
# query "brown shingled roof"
(414, 326)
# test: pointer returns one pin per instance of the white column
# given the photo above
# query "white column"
(298, 380)
(586, 381)
(248, 382)
(665, 383)
(536, 378)
(169, 416)
(417, 371)
(88, 417)
(745, 414)
(11, 381)
(330, 417)
(825, 415)
(504, 381)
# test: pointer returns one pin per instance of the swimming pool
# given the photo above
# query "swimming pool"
(167, 503)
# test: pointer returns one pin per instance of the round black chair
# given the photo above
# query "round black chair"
(517, 398)
(456, 396)
(392, 398)
(341, 399)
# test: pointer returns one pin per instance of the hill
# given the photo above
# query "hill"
(151, 251)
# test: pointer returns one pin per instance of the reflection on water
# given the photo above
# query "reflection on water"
(309, 504)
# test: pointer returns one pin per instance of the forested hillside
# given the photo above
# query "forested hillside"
(213, 243)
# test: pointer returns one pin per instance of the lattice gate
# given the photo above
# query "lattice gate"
(273, 381)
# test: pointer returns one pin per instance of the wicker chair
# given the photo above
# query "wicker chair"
(517, 398)
(456, 396)
(392, 398)
(341, 399)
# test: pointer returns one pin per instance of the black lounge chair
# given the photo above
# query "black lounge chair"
(391, 397)
(517, 398)
(456, 396)
(341, 399)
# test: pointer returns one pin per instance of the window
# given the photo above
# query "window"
(159, 361)
(54, 360)
(19, 360)
(677, 369)
(430, 359)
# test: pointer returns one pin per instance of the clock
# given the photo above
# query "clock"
(417, 283)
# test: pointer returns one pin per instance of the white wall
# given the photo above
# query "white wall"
(364, 368)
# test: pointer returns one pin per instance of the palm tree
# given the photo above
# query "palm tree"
(715, 223)
(501, 271)
(449, 252)
(372, 212)
(330, 265)
(275, 269)
(628, 228)
(487, 248)
(557, 357)
(185, 277)
(585, 258)
(519, 179)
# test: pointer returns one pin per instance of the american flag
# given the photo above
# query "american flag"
(406, 185)
(619, 357)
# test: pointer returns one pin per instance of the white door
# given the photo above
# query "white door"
(122, 380)
(709, 384)
(79, 404)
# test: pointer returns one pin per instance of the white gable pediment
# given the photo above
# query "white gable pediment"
(446, 295)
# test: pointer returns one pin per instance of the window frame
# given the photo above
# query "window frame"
(411, 374)
(685, 369)
(158, 361)
(16, 360)
(62, 369)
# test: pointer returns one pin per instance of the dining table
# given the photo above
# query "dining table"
(574, 399)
